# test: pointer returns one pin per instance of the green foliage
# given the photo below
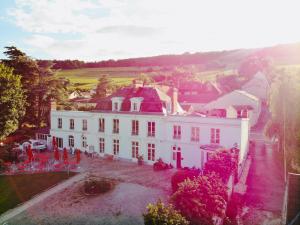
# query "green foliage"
(160, 214)
(285, 109)
(253, 64)
(201, 199)
(12, 101)
(182, 175)
(39, 84)
(104, 87)
(223, 163)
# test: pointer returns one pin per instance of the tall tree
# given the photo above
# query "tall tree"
(12, 101)
(285, 109)
(104, 87)
(39, 84)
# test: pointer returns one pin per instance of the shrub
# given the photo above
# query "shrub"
(160, 165)
(2, 166)
(202, 199)
(93, 186)
(182, 175)
(158, 214)
(223, 163)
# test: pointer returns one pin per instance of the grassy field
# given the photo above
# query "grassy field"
(87, 77)
(20, 188)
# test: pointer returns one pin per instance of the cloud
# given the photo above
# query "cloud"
(130, 30)
(103, 29)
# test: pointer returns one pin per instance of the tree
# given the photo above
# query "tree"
(201, 200)
(158, 214)
(39, 84)
(12, 101)
(223, 163)
(252, 64)
(285, 110)
(104, 87)
(145, 78)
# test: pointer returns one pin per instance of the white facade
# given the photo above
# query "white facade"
(237, 97)
(190, 133)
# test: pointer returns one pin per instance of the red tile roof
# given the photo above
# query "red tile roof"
(153, 99)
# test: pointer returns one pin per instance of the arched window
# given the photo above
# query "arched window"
(71, 141)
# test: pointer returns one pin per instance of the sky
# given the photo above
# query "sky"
(93, 30)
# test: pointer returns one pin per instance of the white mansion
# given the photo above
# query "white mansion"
(146, 121)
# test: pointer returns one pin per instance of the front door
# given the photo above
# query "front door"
(178, 161)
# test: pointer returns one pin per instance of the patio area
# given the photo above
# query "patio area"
(136, 186)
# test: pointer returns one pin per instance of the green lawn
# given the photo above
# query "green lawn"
(88, 77)
(20, 188)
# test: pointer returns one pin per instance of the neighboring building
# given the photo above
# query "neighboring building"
(83, 102)
(197, 94)
(291, 203)
(258, 86)
(145, 121)
(80, 94)
(236, 104)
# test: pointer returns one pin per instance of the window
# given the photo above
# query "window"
(59, 123)
(59, 142)
(116, 108)
(135, 149)
(71, 141)
(215, 136)
(135, 127)
(176, 132)
(101, 124)
(42, 136)
(135, 106)
(101, 145)
(151, 129)
(195, 136)
(115, 126)
(72, 124)
(84, 142)
(116, 146)
(174, 152)
(84, 124)
(151, 152)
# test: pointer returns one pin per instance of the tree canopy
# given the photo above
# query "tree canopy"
(104, 87)
(202, 199)
(39, 84)
(12, 101)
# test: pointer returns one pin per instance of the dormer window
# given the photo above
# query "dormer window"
(136, 104)
(117, 103)
(116, 107)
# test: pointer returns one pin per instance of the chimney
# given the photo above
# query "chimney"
(53, 105)
(174, 99)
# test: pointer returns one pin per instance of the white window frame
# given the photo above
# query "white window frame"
(101, 145)
(59, 123)
(116, 146)
(84, 124)
(134, 127)
(116, 126)
(151, 152)
(134, 149)
(176, 132)
(195, 134)
(215, 135)
(151, 129)
(101, 124)
(72, 124)
(71, 141)
(84, 141)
